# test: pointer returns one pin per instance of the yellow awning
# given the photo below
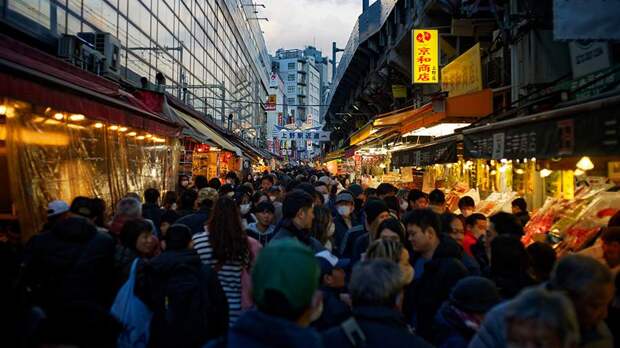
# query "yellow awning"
(361, 135)
(210, 133)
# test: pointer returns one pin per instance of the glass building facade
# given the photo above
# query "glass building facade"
(201, 43)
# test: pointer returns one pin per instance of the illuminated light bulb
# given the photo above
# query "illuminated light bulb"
(533, 159)
(47, 110)
(77, 117)
(59, 116)
(503, 168)
(148, 136)
(525, 160)
(122, 129)
(140, 137)
(449, 165)
(493, 172)
(382, 165)
(520, 171)
(98, 125)
(113, 128)
(504, 160)
(131, 134)
(2, 109)
(585, 163)
(159, 140)
(545, 173)
(579, 172)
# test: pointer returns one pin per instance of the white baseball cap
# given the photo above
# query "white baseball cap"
(57, 207)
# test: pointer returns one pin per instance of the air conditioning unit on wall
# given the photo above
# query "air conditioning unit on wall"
(110, 47)
(80, 53)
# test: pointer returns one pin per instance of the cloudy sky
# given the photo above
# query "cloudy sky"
(299, 23)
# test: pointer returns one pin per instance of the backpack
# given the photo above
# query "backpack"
(181, 317)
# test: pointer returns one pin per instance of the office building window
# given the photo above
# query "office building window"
(290, 101)
(291, 66)
(291, 77)
(36, 10)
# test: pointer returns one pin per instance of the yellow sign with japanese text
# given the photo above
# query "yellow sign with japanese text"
(425, 56)
(464, 74)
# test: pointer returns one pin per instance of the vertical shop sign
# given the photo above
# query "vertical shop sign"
(498, 145)
(425, 56)
(566, 147)
(464, 74)
(271, 103)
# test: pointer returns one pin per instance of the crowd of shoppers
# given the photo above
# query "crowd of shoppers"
(300, 258)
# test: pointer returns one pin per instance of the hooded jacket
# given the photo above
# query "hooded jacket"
(255, 329)
(73, 262)
(383, 327)
(441, 273)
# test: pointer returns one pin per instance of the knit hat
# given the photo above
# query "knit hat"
(374, 208)
(207, 193)
(475, 294)
(344, 197)
(356, 190)
(288, 267)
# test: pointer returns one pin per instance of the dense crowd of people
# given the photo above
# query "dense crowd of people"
(300, 258)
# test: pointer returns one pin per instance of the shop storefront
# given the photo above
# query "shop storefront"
(65, 133)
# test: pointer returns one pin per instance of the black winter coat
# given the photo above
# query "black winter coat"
(383, 328)
(152, 212)
(450, 329)
(196, 221)
(341, 230)
(441, 273)
(334, 310)
(71, 263)
(287, 229)
(198, 315)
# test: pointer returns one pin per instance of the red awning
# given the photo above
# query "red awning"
(36, 77)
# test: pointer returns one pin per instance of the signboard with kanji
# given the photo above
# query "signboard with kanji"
(425, 56)
(464, 74)
(271, 103)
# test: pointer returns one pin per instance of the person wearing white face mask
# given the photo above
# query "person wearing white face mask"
(344, 219)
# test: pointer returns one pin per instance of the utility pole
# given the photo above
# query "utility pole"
(334, 51)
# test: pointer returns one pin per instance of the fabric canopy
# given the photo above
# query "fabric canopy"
(210, 134)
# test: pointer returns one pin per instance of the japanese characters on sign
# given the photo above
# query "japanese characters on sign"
(271, 103)
(425, 56)
(464, 74)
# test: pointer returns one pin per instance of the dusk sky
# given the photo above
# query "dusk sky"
(299, 23)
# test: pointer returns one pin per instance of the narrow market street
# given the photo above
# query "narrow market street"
(309, 173)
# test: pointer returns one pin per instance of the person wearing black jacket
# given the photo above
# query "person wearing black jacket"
(151, 209)
(376, 286)
(196, 221)
(437, 268)
(297, 219)
(332, 285)
(188, 303)
(71, 263)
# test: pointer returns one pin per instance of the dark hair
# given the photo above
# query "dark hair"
(415, 194)
(257, 196)
(132, 229)
(611, 234)
(200, 181)
(520, 203)
(322, 218)
(98, 207)
(263, 207)
(268, 178)
(178, 237)
(393, 225)
(466, 201)
(473, 219)
(437, 197)
(446, 222)
(542, 259)
(170, 197)
(423, 218)
(188, 199)
(506, 223)
(292, 185)
(225, 189)
(151, 195)
(295, 201)
(614, 222)
(227, 236)
(320, 183)
(307, 187)
(82, 206)
(231, 175)
(370, 192)
(215, 183)
(393, 204)
(508, 256)
(384, 189)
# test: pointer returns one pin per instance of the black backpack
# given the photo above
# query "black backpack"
(183, 305)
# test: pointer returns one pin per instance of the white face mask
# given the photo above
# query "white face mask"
(272, 198)
(344, 210)
(244, 208)
(404, 206)
(331, 229)
(326, 197)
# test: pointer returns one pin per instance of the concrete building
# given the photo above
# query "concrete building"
(276, 111)
(214, 48)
